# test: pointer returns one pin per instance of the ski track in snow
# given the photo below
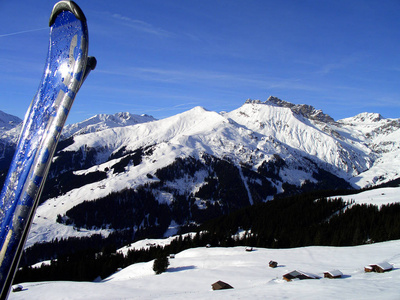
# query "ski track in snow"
(246, 185)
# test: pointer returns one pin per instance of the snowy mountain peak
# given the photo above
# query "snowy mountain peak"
(367, 117)
(305, 110)
(105, 121)
(372, 125)
(10, 127)
(7, 121)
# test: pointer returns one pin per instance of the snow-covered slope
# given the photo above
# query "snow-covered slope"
(10, 127)
(382, 137)
(8, 121)
(377, 197)
(192, 272)
(315, 139)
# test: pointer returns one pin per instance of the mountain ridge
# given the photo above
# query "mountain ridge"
(306, 110)
(104, 121)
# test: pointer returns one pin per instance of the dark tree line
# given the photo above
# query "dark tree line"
(120, 210)
(67, 181)
(303, 221)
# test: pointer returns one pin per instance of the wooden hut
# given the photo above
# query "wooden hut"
(368, 269)
(272, 264)
(220, 285)
(299, 275)
(378, 268)
(333, 274)
(383, 267)
(17, 288)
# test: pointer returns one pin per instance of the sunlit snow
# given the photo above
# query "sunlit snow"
(192, 272)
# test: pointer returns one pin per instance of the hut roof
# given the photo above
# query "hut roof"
(385, 266)
(335, 273)
(220, 285)
(299, 275)
(381, 267)
(273, 264)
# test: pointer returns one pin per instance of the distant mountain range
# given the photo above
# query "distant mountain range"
(104, 121)
(10, 126)
(128, 172)
(8, 122)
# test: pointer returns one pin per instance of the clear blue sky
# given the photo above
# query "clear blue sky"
(163, 57)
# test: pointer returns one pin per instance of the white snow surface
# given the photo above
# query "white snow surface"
(377, 197)
(192, 272)
(383, 137)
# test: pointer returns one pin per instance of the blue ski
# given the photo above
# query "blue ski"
(67, 66)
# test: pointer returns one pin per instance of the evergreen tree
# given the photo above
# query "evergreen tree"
(161, 264)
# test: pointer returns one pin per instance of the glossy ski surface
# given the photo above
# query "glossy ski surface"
(63, 75)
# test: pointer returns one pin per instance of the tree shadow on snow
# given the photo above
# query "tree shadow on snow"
(178, 269)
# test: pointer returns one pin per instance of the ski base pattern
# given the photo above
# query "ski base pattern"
(64, 73)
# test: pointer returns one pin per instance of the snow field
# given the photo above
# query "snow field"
(192, 272)
(378, 197)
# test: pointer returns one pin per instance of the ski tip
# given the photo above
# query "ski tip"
(66, 6)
